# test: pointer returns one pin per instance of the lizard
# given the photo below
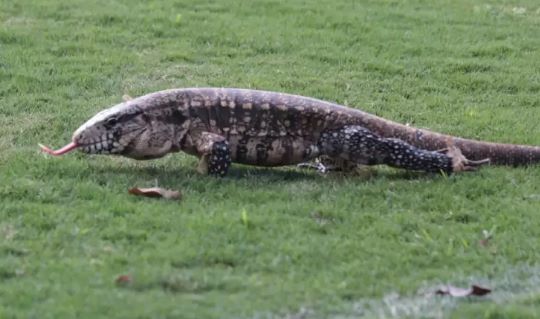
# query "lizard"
(262, 128)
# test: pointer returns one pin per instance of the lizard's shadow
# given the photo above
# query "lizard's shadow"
(183, 173)
(254, 176)
(186, 174)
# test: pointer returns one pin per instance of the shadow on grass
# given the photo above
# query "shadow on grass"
(183, 284)
(109, 171)
(258, 175)
(182, 172)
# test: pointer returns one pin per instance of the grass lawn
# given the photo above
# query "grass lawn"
(267, 243)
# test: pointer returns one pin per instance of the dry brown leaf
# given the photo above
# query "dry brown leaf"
(123, 280)
(156, 192)
(484, 242)
(463, 292)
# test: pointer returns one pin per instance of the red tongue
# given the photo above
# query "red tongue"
(71, 146)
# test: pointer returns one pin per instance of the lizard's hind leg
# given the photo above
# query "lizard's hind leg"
(358, 144)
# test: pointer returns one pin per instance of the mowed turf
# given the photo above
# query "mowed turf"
(266, 243)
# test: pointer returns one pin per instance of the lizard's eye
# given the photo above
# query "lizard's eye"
(111, 121)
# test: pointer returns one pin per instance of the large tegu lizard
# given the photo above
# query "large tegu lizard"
(221, 126)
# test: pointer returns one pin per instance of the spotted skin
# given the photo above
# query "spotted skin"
(359, 145)
(219, 159)
(274, 129)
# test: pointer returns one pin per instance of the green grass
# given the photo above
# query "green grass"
(315, 246)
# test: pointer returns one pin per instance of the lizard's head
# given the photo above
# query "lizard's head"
(124, 129)
(111, 131)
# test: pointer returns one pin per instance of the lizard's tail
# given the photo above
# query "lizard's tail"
(498, 153)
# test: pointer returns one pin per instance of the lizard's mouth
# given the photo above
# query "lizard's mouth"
(103, 147)
(68, 148)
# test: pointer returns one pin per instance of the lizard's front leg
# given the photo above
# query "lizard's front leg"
(214, 152)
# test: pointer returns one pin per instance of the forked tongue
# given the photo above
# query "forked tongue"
(68, 148)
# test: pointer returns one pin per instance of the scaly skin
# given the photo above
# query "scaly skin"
(272, 129)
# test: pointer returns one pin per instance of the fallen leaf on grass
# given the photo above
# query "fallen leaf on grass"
(123, 280)
(484, 242)
(463, 292)
(155, 192)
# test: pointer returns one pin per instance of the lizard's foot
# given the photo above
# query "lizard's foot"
(460, 163)
(324, 164)
(318, 165)
(202, 166)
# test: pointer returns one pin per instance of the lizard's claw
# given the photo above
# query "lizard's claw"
(324, 164)
(318, 165)
(460, 163)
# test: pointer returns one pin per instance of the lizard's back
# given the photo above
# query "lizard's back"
(262, 128)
